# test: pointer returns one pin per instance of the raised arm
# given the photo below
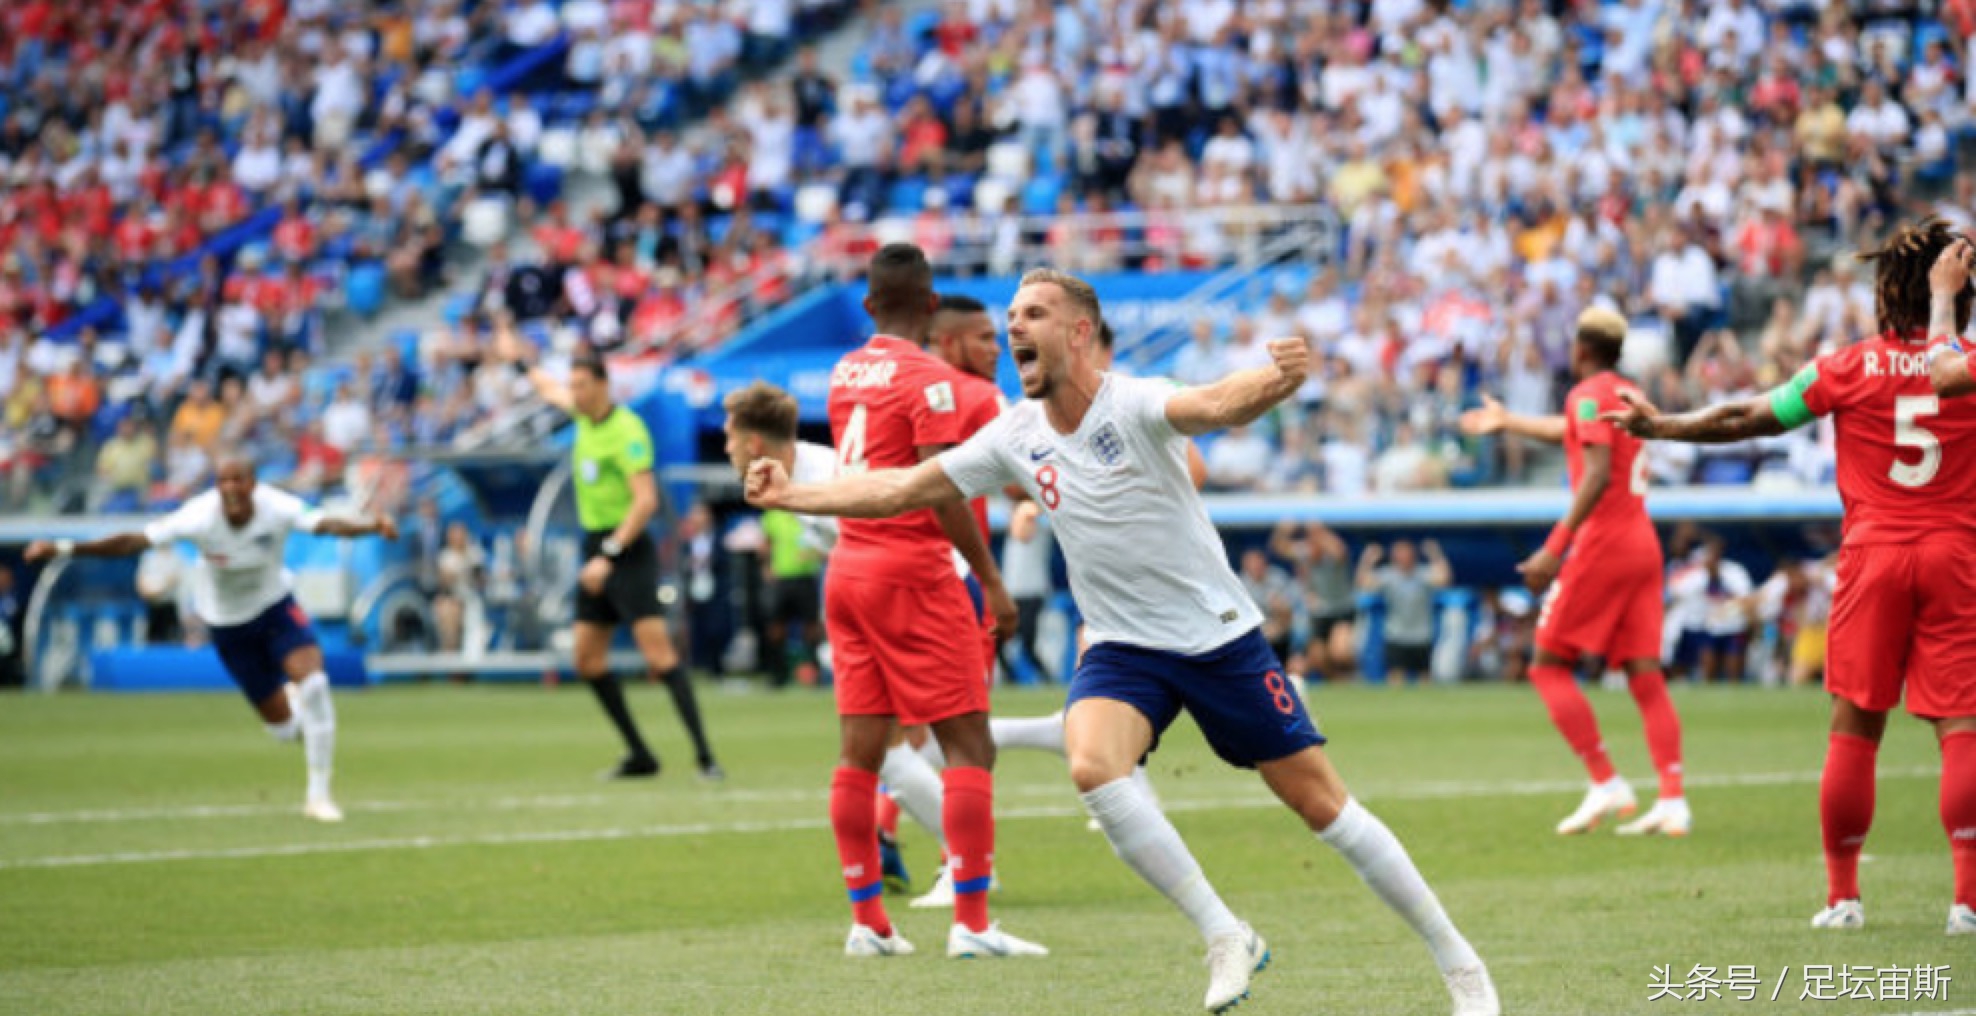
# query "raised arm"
(514, 350)
(1948, 363)
(1241, 397)
(1725, 423)
(1440, 574)
(1368, 567)
(877, 494)
(1492, 418)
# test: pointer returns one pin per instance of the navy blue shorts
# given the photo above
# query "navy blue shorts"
(1237, 695)
(253, 652)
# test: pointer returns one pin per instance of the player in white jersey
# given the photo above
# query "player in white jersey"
(244, 596)
(1106, 456)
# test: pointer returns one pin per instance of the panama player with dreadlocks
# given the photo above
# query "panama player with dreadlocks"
(1907, 558)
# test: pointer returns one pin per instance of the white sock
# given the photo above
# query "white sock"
(318, 716)
(1042, 733)
(286, 730)
(915, 786)
(930, 751)
(1376, 854)
(1148, 844)
(1145, 785)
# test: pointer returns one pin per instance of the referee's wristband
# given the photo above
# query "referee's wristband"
(610, 548)
(1559, 540)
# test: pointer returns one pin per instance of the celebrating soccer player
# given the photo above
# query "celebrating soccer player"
(1907, 561)
(1106, 457)
(245, 598)
(1602, 570)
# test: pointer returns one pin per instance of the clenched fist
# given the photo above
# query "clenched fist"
(767, 484)
(1292, 357)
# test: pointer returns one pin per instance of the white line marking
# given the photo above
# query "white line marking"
(1229, 802)
(549, 802)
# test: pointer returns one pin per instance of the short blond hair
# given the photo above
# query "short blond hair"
(1604, 328)
(1082, 296)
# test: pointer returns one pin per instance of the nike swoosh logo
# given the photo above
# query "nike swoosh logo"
(1039, 456)
(988, 946)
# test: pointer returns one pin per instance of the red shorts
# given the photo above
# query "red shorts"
(913, 652)
(1900, 617)
(1606, 606)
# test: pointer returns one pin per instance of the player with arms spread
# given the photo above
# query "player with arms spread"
(893, 608)
(1907, 560)
(245, 598)
(1604, 597)
(1106, 457)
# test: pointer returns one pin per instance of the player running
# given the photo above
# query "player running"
(893, 609)
(1907, 560)
(1604, 598)
(1106, 456)
(245, 598)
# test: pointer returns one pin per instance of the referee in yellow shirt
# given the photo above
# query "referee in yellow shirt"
(616, 497)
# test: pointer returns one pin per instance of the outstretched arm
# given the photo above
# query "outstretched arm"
(1725, 423)
(1241, 397)
(1492, 418)
(345, 528)
(120, 545)
(878, 494)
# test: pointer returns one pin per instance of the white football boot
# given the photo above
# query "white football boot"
(865, 942)
(1962, 920)
(1668, 817)
(1474, 993)
(1232, 960)
(1843, 914)
(993, 943)
(1614, 797)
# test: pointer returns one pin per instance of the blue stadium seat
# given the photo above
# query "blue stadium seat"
(363, 289)
(458, 306)
(1039, 195)
(543, 182)
(908, 194)
(1725, 472)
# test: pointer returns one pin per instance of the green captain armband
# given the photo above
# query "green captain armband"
(1787, 399)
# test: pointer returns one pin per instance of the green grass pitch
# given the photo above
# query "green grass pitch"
(153, 860)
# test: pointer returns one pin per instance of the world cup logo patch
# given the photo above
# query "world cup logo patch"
(1107, 446)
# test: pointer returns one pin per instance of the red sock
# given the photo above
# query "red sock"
(1663, 728)
(1959, 810)
(886, 815)
(1573, 717)
(851, 818)
(968, 818)
(1845, 809)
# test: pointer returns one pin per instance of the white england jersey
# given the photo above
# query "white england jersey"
(816, 463)
(1146, 566)
(239, 574)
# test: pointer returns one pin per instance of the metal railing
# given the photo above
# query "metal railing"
(1309, 241)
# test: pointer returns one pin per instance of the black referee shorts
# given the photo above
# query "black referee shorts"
(631, 594)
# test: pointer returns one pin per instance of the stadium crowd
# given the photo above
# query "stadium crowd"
(192, 190)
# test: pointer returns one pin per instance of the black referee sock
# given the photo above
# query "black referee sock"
(610, 695)
(683, 700)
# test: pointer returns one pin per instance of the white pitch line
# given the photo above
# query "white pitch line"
(1236, 802)
(550, 802)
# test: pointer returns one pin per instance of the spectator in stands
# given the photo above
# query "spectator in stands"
(187, 466)
(160, 575)
(347, 422)
(1324, 581)
(199, 417)
(1271, 589)
(462, 573)
(705, 579)
(123, 468)
(1027, 557)
(1407, 590)
(1238, 461)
